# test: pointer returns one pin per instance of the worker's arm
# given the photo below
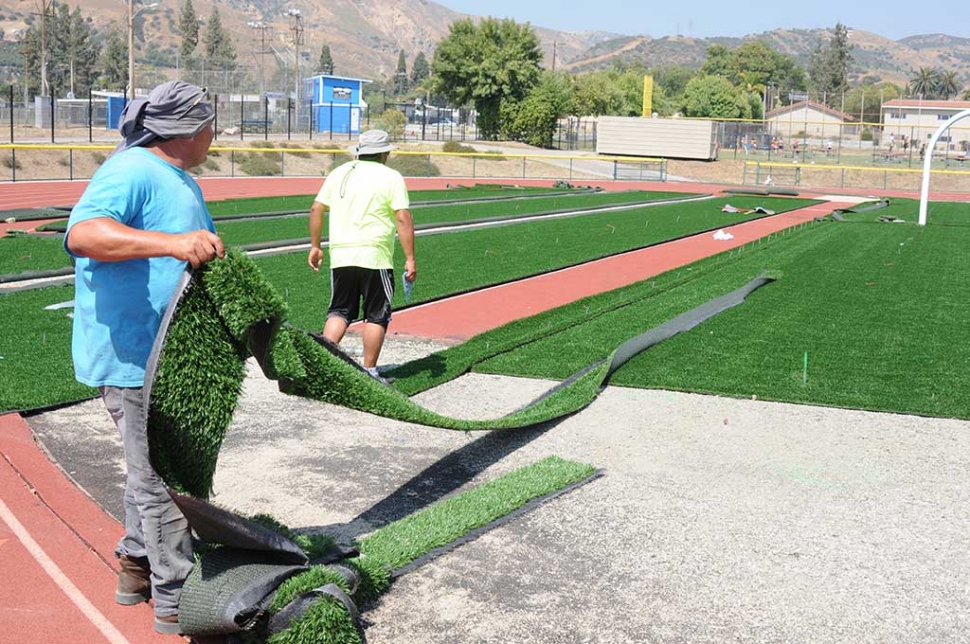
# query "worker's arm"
(107, 240)
(405, 232)
(317, 211)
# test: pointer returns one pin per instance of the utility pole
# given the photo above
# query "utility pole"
(45, 7)
(297, 28)
(554, 45)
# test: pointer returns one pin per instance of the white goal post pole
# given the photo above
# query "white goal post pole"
(924, 196)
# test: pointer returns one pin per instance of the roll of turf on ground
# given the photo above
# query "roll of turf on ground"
(839, 214)
(228, 312)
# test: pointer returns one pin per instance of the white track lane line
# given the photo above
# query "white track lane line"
(99, 621)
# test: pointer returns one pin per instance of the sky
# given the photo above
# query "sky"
(893, 19)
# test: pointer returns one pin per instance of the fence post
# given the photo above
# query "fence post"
(265, 119)
(70, 161)
(13, 159)
(215, 118)
(614, 169)
(53, 114)
(90, 116)
(242, 115)
(331, 120)
(289, 112)
(523, 166)
(11, 113)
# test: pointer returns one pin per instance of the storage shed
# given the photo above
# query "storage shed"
(336, 103)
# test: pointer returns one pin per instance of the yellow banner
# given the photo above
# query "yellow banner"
(647, 96)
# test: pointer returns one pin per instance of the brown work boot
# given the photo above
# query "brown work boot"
(134, 581)
(168, 625)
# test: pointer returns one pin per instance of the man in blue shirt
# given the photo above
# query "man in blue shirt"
(139, 222)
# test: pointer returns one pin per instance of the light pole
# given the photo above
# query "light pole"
(262, 27)
(131, 43)
(297, 28)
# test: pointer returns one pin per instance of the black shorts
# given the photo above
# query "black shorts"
(351, 284)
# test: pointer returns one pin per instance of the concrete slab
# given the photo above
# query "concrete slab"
(717, 520)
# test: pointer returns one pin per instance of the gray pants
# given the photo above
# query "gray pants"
(154, 526)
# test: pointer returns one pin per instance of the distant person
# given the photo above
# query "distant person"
(892, 143)
(922, 151)
(828, 147)
(367, 202)
(140, 221)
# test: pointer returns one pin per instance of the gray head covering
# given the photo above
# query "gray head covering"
(372, 142)
(173, 110)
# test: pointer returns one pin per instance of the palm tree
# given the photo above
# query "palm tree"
(924, 81)
(948, 85)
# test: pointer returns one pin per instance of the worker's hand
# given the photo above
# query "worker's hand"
(315, 258)
(410, 270)
(197, 247)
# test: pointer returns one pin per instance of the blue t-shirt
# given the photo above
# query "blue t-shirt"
(118, 306)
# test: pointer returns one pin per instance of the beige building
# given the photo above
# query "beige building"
(917, 120)
(812, 120)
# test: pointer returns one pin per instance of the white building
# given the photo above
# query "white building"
(917, 120)
(810, 119)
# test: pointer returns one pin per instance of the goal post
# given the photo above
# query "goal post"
(924, 196)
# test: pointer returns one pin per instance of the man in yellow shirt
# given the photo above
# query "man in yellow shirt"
(367, 202)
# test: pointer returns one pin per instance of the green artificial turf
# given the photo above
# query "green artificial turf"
(403, 542)
(239, 233)
(21, 253)
(259, 205)
(24, 252)
(462, 261)
(876, 308)
(35, 351)
(937, 213)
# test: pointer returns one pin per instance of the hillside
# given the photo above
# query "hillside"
(365, 37)
(873, 55)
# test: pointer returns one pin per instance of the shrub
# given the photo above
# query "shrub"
(298, 150)
(391, 121)
(414, 166)
(454, 147)
(260, 166)
(866, 135)
(8, 162)
(98, 158)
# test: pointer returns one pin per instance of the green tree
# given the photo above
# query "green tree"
(420, 69)
(829, 65)
(189, 28)
(401, 76)
(718, 62)
(486, 64)
(948, 85)
(534, 120)
(865, 101)
(714, 97)
(114, 61)
(326, 60)
(218, 45)
(29, 47)
(924, 82)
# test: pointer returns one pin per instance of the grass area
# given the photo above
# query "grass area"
(238, 233)
(448, 263)
(257, 205)
(29, 253)
(22, 253)
(872, 305)
(458, 262)
(35, 351)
